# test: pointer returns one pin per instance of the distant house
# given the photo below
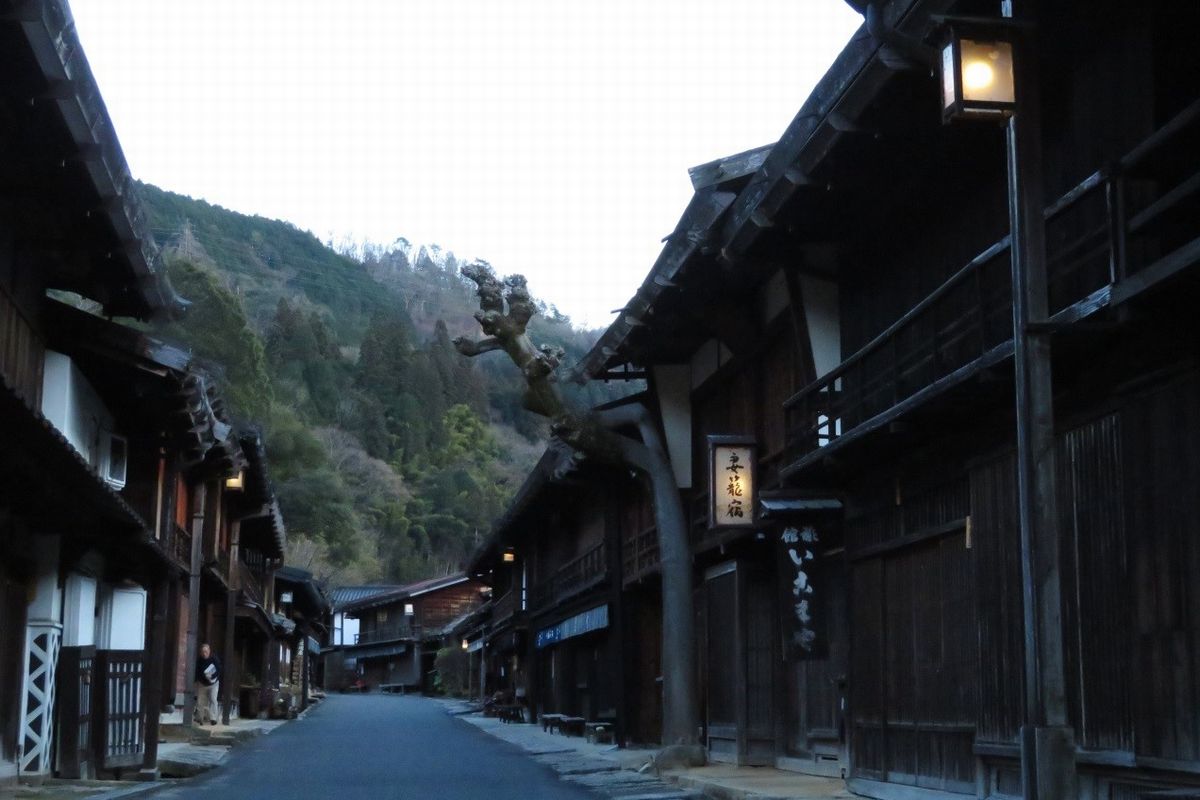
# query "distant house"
(400, 631)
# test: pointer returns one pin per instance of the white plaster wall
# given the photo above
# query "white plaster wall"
(122, 621)
(824, 322)
(73, 406)
(79, 610)
(46, 603)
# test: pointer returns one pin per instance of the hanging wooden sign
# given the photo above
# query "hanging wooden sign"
(732, 481)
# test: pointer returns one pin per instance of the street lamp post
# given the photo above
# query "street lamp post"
(992, 74)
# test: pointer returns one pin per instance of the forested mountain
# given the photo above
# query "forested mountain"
(391, 453)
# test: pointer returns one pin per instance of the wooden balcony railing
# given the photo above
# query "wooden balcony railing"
(22, 353)
(388, 633)
(577, 575)
(1114, 235)
(250, 583)
(640, 555)
(504, 608)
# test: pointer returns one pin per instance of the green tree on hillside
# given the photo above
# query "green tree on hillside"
(217, 332)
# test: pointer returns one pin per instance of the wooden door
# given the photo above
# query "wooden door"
(816, 685)
(120, 718)
(645, 675)
(725, 680)
(74, 678)
(759, 661)
(916, 668)
(739, 665)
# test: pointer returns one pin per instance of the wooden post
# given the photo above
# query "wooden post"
(229, 673)
(303, 670)
(1047, 738)
(189, 702)
(618, 634)
(156, 651)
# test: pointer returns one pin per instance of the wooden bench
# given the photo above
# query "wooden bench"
(599, 732)
(392, 688)
(551, 722)
(572, 726)
(513, 712)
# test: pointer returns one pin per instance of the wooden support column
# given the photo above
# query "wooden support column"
(618, 635)
(189, 702)
(1047, 738)
(156, 657)
(228, 661)
(303, 670)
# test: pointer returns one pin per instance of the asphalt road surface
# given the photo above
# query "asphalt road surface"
(374, 746)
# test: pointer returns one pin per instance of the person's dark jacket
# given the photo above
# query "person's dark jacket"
(203, 673)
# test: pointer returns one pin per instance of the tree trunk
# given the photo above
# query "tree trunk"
(595, 436)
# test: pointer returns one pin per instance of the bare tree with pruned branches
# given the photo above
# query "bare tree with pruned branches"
(626, 435)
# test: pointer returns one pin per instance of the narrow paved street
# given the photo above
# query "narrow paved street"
(373, 746)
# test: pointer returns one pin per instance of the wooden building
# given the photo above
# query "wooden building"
(302, 602)
(401, 630)
(844, 299)
(574, 623)
(76, 503)
(118, 463)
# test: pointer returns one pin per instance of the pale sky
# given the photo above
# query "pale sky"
(550, 137)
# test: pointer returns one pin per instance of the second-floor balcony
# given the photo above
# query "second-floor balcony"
(387, 632)
(504, 608)
(251, 584)
(1120, 232)
(576, 576)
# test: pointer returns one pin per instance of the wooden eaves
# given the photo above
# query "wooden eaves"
(68, 86)
(190, 398)
(848, 88)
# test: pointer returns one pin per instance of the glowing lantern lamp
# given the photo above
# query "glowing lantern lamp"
(732, 481)
(237, 482)
(509, 556)
(977, 76)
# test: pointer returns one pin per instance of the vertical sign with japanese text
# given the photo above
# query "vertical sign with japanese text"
(800, 545)
(732, 482)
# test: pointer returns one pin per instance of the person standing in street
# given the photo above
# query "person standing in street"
(208, 681)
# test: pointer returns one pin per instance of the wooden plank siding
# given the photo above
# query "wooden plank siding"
(1161, 442)
(22, 352)
(1095, 566)
(995, 538)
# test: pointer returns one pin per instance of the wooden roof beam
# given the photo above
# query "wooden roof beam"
(729, 168)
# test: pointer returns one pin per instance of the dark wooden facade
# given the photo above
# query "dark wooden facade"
(96, 566)
(846, 300)
(573, 627)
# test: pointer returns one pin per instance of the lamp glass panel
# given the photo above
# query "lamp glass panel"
(949, 76)
(987, 72)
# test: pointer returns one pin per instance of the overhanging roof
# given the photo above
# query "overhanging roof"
(42, 474)
(830, 113)
(124, 362)
(404, 592)
(67, 140)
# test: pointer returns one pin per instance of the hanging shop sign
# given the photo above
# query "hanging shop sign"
(800, 545)
(593, 619)
(731, 481)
